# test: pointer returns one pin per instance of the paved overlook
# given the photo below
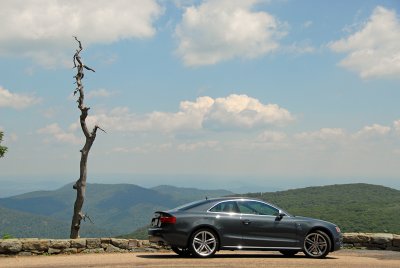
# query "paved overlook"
(342, 259)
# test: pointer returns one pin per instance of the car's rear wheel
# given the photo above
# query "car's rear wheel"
(184, 252)
(289, 252)
(317, 244)
(203, 243)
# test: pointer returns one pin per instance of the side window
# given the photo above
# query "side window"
(257, 208)
(228, 207)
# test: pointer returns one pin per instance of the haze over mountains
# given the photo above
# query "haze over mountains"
(114, 208)
(118, 209)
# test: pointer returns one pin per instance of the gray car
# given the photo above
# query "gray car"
(203, 227)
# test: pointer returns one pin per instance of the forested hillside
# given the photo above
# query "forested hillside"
(354, 207)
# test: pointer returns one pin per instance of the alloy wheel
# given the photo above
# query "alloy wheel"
(317, 244)
(204, 243)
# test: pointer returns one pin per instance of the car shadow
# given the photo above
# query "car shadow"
(228, 256)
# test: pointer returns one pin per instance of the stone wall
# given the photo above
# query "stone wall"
(34, 246)
(372, 241)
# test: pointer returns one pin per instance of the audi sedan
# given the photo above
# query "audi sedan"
(203, 227)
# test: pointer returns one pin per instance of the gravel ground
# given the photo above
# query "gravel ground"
(231, 259)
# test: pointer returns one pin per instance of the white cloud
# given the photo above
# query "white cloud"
(374, 51)
(100, 93)
(271, 137)
(241, 111)
(16, 101)
(396, 126)
(43, 29)
(233, 112)
(374, 130)
(144, 149)
(220, 30)
(54, 132)
(324, 135)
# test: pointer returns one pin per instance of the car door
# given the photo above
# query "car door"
(263, 227)
(228, 223)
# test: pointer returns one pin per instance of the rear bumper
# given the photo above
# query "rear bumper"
(156, 235)
(167, 236)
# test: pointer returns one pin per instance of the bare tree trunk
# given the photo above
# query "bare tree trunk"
(80, 185)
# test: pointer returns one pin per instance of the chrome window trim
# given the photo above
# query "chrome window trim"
(246, 199)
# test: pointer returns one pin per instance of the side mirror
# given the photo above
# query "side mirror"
(280, 216)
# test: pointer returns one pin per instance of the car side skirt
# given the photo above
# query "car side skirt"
(261, 248)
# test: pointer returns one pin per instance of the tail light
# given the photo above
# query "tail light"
(168, 219)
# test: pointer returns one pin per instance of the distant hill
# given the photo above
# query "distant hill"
(114, 208)
(354, 207)
(22, 224)
(120, 209)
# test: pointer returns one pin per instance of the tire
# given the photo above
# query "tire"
(183, 252)
(317, 244)
(289, 252)
(203, 243)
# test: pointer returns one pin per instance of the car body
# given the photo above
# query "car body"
(236, 223)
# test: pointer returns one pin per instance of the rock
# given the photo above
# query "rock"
(396, 241)
(352, 238)
(10, 246)
(78, 243)
(120, 243)
(105, 240)
(54, 251)
(111, 248)
(38, 245)
(60, 243)
(381, 239)
(93, 243)
(133, 243)
(70, 251)
(93, 250)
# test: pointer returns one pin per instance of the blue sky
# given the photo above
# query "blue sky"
(249, 94)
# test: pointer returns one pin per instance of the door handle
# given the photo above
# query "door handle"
(246, 222)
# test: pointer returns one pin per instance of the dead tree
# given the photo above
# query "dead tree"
(80, 185)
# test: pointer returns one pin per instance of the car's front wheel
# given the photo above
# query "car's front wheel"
(317, 244)
(203, 243)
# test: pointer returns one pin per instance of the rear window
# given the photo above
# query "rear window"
(191, 205)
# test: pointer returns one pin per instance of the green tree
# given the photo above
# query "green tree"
(3, 149)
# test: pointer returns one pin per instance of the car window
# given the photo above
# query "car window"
(257, 208)
(229, 207)
(191, 205)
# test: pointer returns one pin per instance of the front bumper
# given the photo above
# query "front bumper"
(338, 242)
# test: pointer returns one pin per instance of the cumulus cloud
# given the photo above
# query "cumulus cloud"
(271, 137)
(16, 101)
(43, 29)
(220, 30)
(100, 93)
(54, 132)
(324, 134)
(373, 51)
(233, 112)
(396, 126)
(374, 130)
